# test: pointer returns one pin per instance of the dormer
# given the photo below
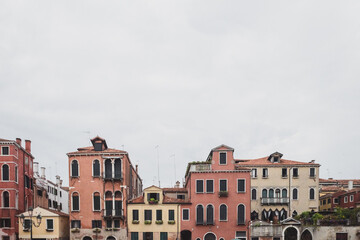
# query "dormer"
(221, 157)
(153, 195)
(275, 157)
(99, 144)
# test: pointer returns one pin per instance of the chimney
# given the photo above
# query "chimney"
(57, 180)
(43, 172)
(136, 168)
(28, 146)
(351, 185)
(330, 178)
(177, 184)
(312, 161)
(18, 141)
(36, 168)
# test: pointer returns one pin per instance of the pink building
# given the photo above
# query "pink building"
(219, 192)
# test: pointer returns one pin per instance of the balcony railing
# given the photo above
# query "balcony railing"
(108, 177)
(113, 213)
(274, 201)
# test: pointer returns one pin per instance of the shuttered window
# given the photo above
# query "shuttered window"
(171, 215)
(241, 185)
(253, 194)
(74, 168)
(209, 186)
(241, 214)
(163, 236)
(210, 215)
(223, 212)
(158, 214)
(223, 185)
(222, 158)
(96, 168)
(96, 202)
(199, 186)
(148, 215)
(96, 223)
(75, 202)
(134, 236)
(199, 214)
(135, 215)
(185, 214)
(108, 169)
(312, 172)
(117, 166)
(5, 172)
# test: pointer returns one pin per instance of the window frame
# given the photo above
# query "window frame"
(346, 199)
(93, 202)
(237, 185)
(47, 224)
(182, 214)
(267, 172)
(237, 214)
(242, 238)
(220, 185)
(226, 213)
(314, 197)
(282, 173)
(72, 202)
(253, 189)
(312, 176)
(172, 214)
(297, 194)
(96, 176)
(297, 172)
(206, 187)
(71, 169)
(225, 158)
(2, 151)
(8, 173)
(251, 173)
(351, 198)
(196, 185)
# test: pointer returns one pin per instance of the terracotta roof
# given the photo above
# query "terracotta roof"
(57, 212)
(5, 140)
(265, 161)
(339, 181)
(354, 190)
(338, 193)
(242, 168)
(326, 196)
(330, 189)
(174, 190)
(168, 200)
(137, 200)
(91, 150)
(65, 188)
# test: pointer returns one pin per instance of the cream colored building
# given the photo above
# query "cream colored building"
(54, 225)
(281, 187)
(154, 216)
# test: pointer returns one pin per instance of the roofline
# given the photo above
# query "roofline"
(16, 144)
(282, 165)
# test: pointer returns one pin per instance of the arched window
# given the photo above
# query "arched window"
(264, 193)
(210, 236)
(96, 201)
(117, 168)
(75, 202)
(277, 193)
(254, 215)
(210, 215)
(108, 203)
(199, 214)
(223, 212)
(96, 168)
(74, 168)
(312, 194)
(295, 194)
(5, 172)
(108, 169)
(6, 199)
(118, 204)
(241, 214)
(271, 193)
(294, 213)
(284, 193)
(253, 194)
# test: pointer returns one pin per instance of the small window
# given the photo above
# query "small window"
(295, 172)
(312, 172)
(265, 173)
(223, 212)
(4, 150)
(16, 174)
(116, 223)
(108, 223)
(75, 202)
(345, 199)
(264, 193)
(171, 215)
(199, 186)
(135, 215)
(5, 223)
(209, 215)
(27, 224)
(241, 214)
(351, 198)
(98, 146)
(148, 215)
(134, 236)
(158, 215)
(180, 196)
(253, 194)
(6, 199)
(312, 194)
(185, 214)
(254, 173)
(96, 201)
(96, 168)
(75, 223)
(341, 236)
(223, 158)
(336, 200)
(241, 235)
(163, 236)
(284, 173)
(49, 225)
(295, 194)
(199, 215)
(241, 185)
(329, 200)
(209, 186)
(5, 172)
(74, 168)
(223, 185)
(96, 223)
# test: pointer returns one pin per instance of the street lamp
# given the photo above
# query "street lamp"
(37, 224)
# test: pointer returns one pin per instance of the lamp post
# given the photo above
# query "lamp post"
(37, 224)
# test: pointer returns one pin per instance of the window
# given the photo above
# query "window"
(271, 193)
(60, 193)
(116, 223)
(209, 215)
(312, 194)
(241, 214)
(329, 200)
(108, 169)
(49, 225)
(241, 185)
(223, 212)
(253, 194)
(158, 214)
(265, 173)
(96, 168)
(148, 215)
(5, 172)
(134, 236)
(223, 185)
(341, 236)
(199, 215)
(171, 215)
(264, 193)
(108, 223)
(199, 186)
(180, 196)
(75, 224)
(4, 150)
(153, 196)
(96, 223)
(49, 203)
(16, 174)
(209, 186)
(345, 199)
(6, 199)
(98, 146)
(223, 158)
(295, 194)
(284, 193)
(254, 173)
(75, 202)
(351, 198)
(117, 167)
(254, 238)
(284, 172)
(240, 235)
(135, 215)
(295, 172)
(96, 201)
(336, 200)
(55, 204)
(26, 161)
(185, 214)
(163, 236)
(27, 224)
(74, 168)
(5, 223)
(312, 172)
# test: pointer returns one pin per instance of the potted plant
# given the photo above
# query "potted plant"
(147, 222)
(153, 201)
(159, 222)
(135, 221)
(171, 222)
(96, 230)
(108, 229)
(223, 193)
(116, 229)
(74, 230)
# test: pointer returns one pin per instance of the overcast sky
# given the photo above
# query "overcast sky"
(259, 76)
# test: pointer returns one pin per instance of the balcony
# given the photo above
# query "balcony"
(113, 213)
(200, 167)
(109, 177)
(274, 201)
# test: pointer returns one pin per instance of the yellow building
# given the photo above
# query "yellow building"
(154, 216)
(54, 225)
(325, 202)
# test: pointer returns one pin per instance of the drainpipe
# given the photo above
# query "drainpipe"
(290, 191)
(177, 222)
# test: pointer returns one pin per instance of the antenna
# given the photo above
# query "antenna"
(157, 148)
(174, 166)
